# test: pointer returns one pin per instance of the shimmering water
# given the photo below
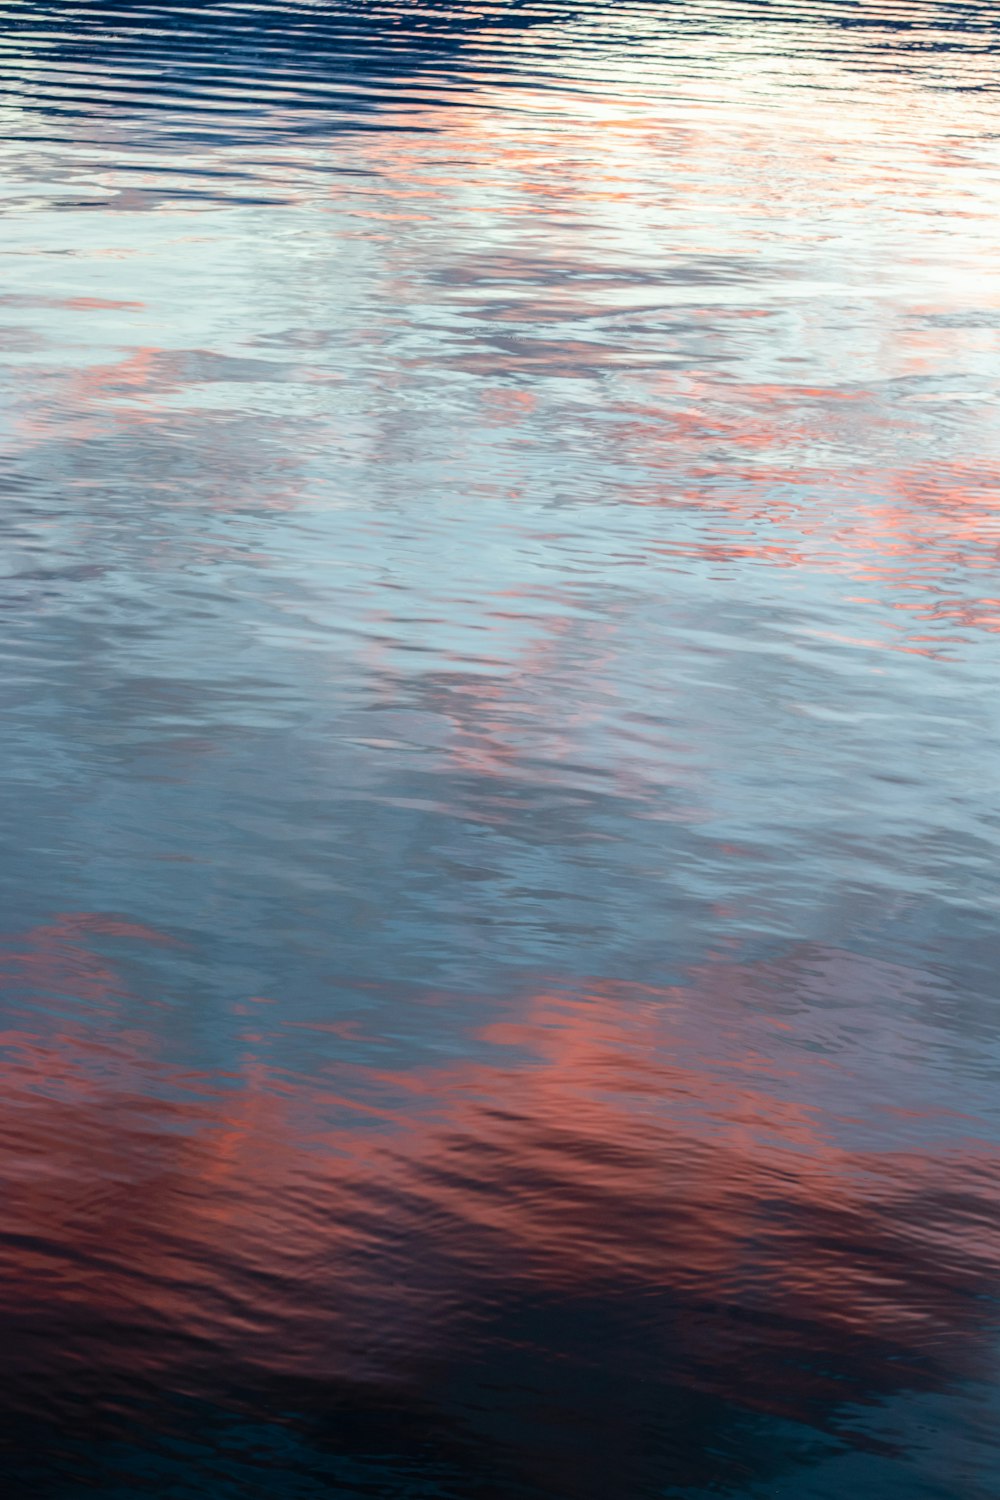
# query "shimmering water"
(500, 728)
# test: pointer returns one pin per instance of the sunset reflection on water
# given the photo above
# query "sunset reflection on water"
(500, 637)
(671, 1199)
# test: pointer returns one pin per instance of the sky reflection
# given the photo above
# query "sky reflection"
(499, 636)
(672, 1185)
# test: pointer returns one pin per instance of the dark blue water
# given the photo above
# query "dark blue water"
(499, 926)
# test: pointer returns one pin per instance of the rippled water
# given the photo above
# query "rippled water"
(500, 721)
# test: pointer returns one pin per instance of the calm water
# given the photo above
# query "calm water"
(502, 750)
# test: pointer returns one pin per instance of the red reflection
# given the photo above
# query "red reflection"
(651, 1147)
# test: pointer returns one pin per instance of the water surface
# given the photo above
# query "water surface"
(502, 752)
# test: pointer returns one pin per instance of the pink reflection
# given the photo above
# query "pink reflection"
(658, 1147)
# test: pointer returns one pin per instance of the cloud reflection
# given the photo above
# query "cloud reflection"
(638, 1213)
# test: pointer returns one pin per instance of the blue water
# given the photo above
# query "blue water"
(500, 638)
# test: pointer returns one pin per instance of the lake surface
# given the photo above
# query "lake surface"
(501, 733)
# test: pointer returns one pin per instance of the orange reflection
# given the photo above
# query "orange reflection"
(649, 1146)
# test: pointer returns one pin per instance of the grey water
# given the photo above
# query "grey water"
(500, 635)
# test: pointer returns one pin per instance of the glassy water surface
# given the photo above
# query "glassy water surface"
(500, 721)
